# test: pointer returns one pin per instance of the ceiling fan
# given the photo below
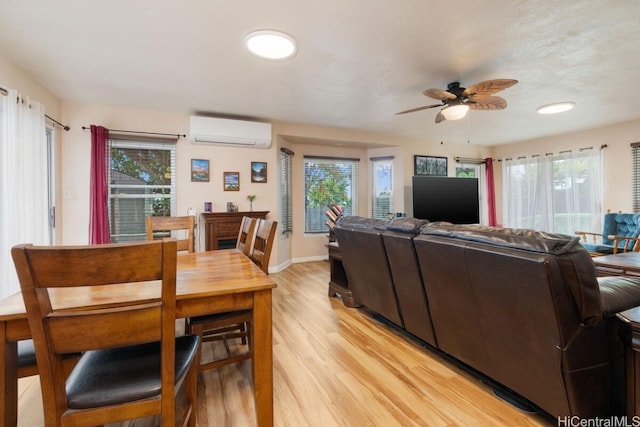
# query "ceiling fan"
(457, 100)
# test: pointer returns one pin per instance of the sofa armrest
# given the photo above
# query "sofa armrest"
(584, 236)
(619, 293)
(617, 240)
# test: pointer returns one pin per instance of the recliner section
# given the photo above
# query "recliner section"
(522, 307)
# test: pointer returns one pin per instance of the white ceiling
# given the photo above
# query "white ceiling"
(358, 62)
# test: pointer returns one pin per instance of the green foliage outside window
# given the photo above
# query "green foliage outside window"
(328, 184)
(149, 166)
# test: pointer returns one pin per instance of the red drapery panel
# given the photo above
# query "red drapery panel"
(99, 190)
(491, 192)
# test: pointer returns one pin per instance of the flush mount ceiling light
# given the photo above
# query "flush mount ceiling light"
(270, 44)
(455, 112)
(558, 107)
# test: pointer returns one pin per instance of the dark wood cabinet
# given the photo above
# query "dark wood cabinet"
(338, 283)
(221, 228)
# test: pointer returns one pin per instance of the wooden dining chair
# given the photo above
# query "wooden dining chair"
(132, 363)
(246, 234)
(164, 226)
(226, 326)
(263, 243)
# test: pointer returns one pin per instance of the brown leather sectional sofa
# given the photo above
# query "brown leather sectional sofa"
(522, 307)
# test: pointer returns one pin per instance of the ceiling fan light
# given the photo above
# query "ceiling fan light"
(455, 112)
(557, 107)
(270, 44)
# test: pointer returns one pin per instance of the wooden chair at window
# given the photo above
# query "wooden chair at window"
(163, 226)
(263, 243)
(132, 363)
(620, 233)
(226, 326)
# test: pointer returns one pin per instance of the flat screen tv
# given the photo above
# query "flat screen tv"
(439, 198)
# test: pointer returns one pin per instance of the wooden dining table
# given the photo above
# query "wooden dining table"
(207, 282)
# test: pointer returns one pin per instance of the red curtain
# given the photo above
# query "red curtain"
(99, 190)
(491, 192)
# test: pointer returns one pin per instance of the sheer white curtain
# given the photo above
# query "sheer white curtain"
(557, 193)
(524, 200)
(23, 181)
(577, 185)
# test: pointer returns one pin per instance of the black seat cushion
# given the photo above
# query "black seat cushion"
(124, 374)
(26, 353)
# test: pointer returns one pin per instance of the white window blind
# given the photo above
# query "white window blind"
(635, 185)
(286, 211)
(328, 181)
(381, 187)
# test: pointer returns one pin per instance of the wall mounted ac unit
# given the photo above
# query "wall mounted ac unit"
(212, 130)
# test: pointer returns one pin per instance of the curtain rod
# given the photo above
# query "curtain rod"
(145, 133)
(65, 127)
(5, 92)
(469, 160)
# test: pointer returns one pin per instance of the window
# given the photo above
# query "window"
(381, 187)
(556, 192)
(635, 186)
(141, 183)
(328, 181)
(286, 215)
(476, 169)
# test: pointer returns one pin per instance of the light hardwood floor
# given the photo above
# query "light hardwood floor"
(336, 366)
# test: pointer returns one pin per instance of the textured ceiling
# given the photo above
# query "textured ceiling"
(358, 62)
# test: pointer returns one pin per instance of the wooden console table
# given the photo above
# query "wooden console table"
(219, 226)
(338, 283)
(631, 334)
(627, 264)
(623, 264)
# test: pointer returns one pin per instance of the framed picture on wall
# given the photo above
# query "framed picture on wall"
(429, 165)
(259, 172)
(199, 170)
(231, 181)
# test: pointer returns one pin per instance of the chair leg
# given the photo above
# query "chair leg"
(222, 332)
(191, 391)
(196, 329)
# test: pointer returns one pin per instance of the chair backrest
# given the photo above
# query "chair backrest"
(162, 226)
(246, 234)
(98, 270)
(620, 224)
(263, 243)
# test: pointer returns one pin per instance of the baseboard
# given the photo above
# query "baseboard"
(287, 263)
(311, 259)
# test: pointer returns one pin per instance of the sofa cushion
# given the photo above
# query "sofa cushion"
(619, 293)
(406, 224)
(529, 240)
(354, 221)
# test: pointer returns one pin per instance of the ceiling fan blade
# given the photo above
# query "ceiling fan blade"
(487, 88)
(440, 117)
(488, 103)
(419, 108)
(439, 94)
